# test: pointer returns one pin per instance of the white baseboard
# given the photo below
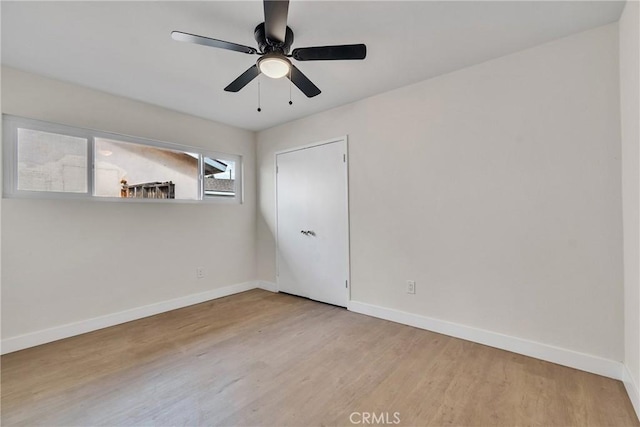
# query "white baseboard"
(267, 286)
(632, 390)
(33, 339)
(561, 356)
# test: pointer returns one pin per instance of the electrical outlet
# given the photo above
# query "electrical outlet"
(200, 273)
(411, 287)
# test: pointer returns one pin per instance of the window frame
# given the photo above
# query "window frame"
(11, 124)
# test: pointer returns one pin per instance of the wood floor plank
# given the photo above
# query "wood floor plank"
(264, 359)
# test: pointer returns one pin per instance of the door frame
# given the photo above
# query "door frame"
(344, 139)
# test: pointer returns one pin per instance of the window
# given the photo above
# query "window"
(123, 169)
(219, 178)
(51, 162)
(46, 159)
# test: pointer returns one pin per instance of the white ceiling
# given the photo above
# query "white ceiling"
(125, 48)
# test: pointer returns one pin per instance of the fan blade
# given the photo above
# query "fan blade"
(330, 53)
(275, 20)
(243, 79)
(303, 83)
(206, 41)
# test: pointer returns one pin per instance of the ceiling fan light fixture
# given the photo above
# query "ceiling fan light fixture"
(274, 65)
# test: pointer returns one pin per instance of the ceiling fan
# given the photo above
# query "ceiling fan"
(274, 39)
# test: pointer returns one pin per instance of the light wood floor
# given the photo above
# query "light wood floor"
(259, 358)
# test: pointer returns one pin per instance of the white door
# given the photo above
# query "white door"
(312, 230)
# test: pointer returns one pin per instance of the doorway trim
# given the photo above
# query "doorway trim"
(344, 138)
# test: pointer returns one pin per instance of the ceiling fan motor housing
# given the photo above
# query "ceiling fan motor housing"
(267, 46)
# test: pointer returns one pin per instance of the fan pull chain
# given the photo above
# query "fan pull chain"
(290, 84)
(259, 109)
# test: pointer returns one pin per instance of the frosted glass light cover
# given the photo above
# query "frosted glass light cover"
(274, 67)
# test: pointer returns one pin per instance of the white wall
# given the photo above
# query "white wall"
(496, 188)
(66, 261)
(630, 116)
(1, 186)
